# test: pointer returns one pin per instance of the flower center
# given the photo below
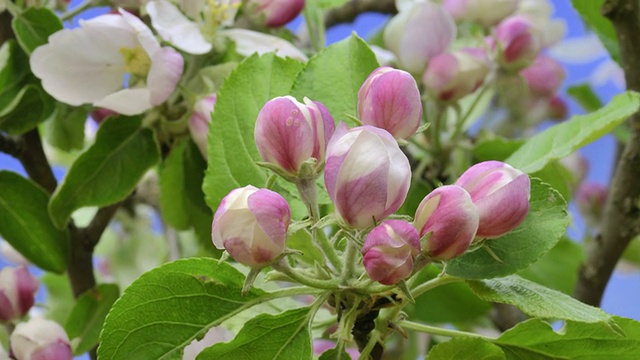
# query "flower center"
(137, 61)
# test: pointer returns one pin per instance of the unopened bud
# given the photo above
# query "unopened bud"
(484, 12)
(518, 43)
(17, 292)
(388, 251)
(199, 122)
(501, 194)
(451, 76)
(544, 76)
(389, 99)
(40, 339)
(449, 219)
(591, 199)
(251, 224)
(274, 13)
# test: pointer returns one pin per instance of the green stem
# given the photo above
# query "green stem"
(434, 283)
(283, 266)
(440, 112)
(349, 262)
(463, 119)
(373, 340)
(434, 330)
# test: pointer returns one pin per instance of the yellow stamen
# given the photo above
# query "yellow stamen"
(137, 62)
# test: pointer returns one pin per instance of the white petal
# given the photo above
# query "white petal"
(166, 69)
(127, 101)
(579, 50)
(82, 65)
(249, 42)
(176, 28)
(142, 31)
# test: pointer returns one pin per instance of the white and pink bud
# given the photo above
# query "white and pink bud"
(418, 33)
(199, 122)
(557, 108)
(451, 219)
(40, 339)
(591, 198)
(544, 76)
(367, 176)
(289, 133)
(484, 12)
(501, 194)
(251, 224)
(388, 251)
(518, 43)
(389, 99)
(17, 292)
(451, 76)
(274, 13)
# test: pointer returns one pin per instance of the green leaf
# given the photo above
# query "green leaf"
(60, 300)
(584, 95)
(33, 27)
(561, 140)
(109, 170)
(168, 307)
(536, 340)
(25, 223)
(558, 269)
(301, 240)
(284, 336)
(334, 77)
(174, 205)
(328, 4)
(591, 13)
(231, 146)
(14, 71)
(87, 317)
(466, 348)
(536, 300)
(539, 232)
(30, 106)
(65, 129)
(450, 303)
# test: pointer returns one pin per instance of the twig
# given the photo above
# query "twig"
(621, 218)
(11, 146)
(349, 11)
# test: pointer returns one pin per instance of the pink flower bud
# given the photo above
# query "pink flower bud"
(40, 339)
(577, 165)
(418, 33)
(450, 216)
(389, 99)
(518, 43)
(17, 292)
(288, 133)
(484, 12)
(501, 194)
(274, 13)
(451, 76)
(367, 176)
(557, 108)
(591, 199)
(251, 224)
(199, 122)
(544, 76)
(100, 114)
(388, 251)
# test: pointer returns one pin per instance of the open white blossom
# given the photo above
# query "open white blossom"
(112, 61)
(193, 32)
(249, 42)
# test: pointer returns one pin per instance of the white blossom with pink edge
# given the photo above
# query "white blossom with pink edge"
(366, 174)
(89, 65)
(40, 339)
(199, 122)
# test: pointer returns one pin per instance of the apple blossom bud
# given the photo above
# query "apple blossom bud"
(544, 76)
(450, 216)
(557, 108)
(251, 224)
(199, 122)
(40, 339)
(274, 13)
(10, 254)
(100, 114)
(518, 43)
(577, 165)
(451, 76)
(484, 12)
(289, 133)
(591, 198)
(418, 33)
(367, 176)
(17, 292)
(389, 99)
(388, 251)
(501, 194)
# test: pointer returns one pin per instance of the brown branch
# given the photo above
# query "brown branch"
(621, 221)
(349, 11)
(11, 146)
(35, 162)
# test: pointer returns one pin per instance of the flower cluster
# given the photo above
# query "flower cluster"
(367, 177)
